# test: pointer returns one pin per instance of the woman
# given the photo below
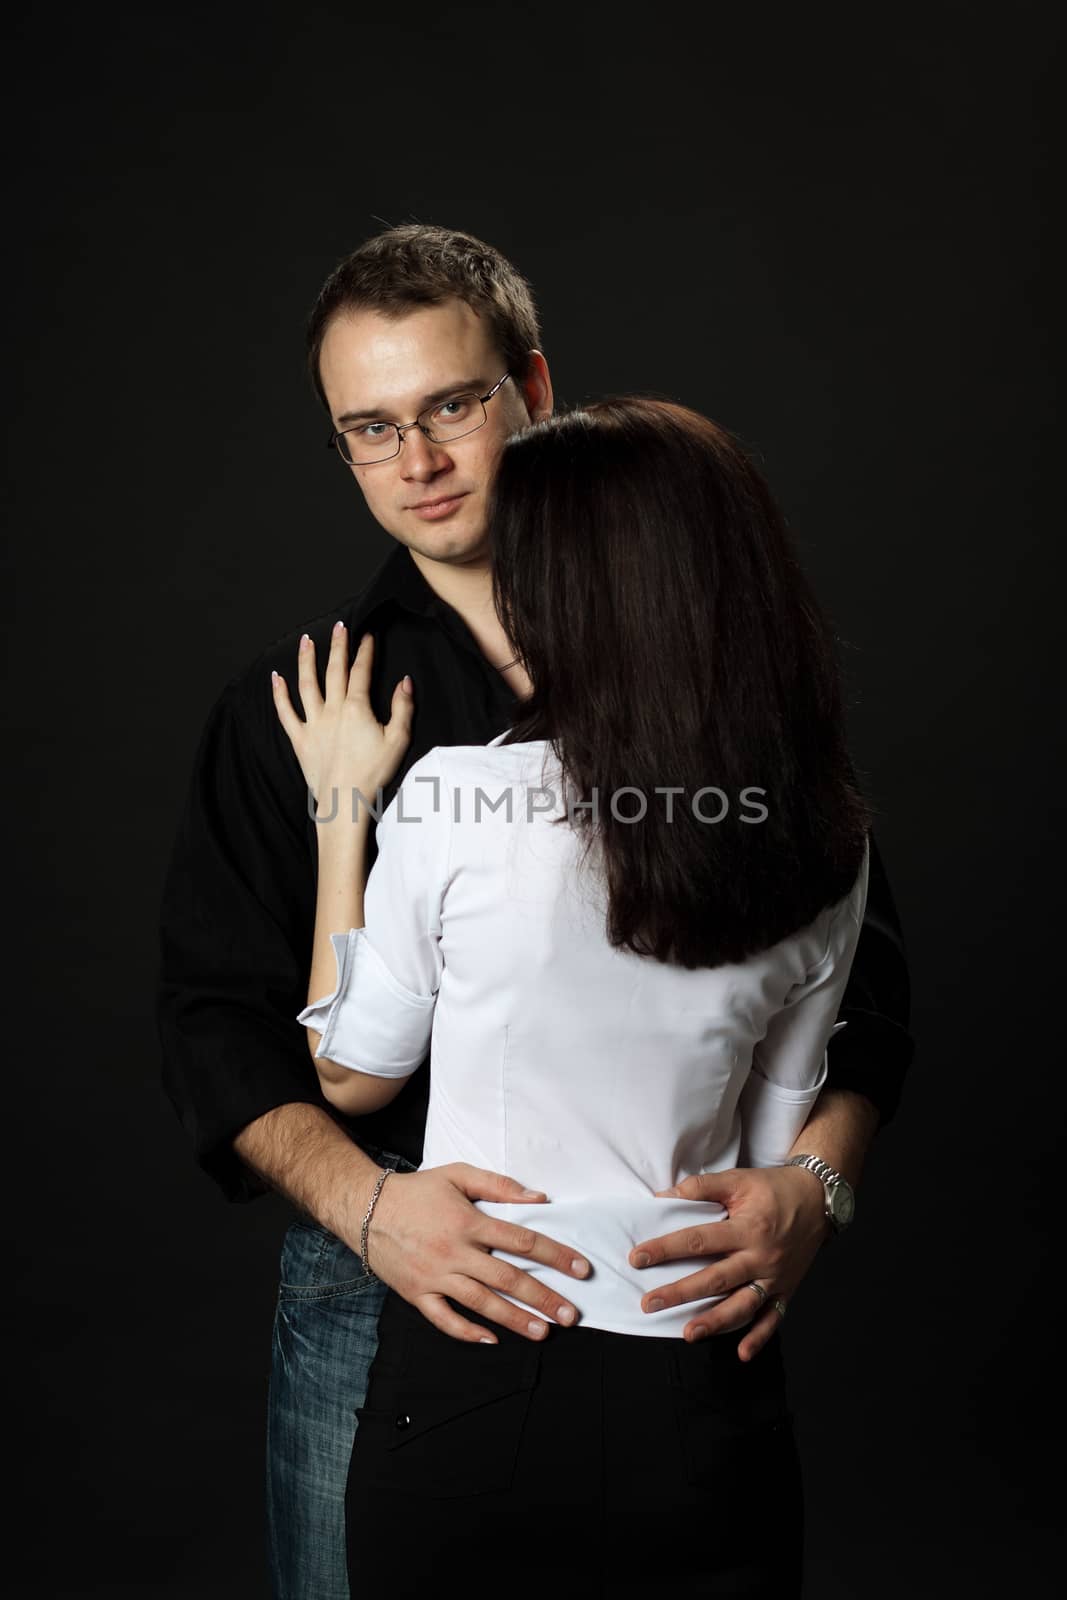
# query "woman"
(626, 926)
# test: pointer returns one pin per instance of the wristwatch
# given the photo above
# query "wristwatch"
(840, 1195)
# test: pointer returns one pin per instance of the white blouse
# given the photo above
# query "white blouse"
(587, 1072)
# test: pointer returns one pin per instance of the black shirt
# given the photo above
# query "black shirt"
(238, 910)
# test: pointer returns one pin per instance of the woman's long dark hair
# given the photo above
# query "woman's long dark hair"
(644, 575)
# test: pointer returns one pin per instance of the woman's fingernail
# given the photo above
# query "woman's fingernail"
(486, 1341)
(274, 679)
(338, 627)
(304, 641)
(406, 684)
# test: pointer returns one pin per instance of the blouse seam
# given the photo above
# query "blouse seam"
(446, 800)
(506, 1165)
(448, 832)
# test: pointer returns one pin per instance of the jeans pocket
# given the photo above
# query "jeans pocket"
(317, 1265)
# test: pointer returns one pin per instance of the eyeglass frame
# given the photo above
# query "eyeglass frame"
(401, 428)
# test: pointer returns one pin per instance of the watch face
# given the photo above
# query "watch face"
(842, 1204)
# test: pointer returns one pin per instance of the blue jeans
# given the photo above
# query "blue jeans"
(325, 1338)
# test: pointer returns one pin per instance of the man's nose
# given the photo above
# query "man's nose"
(421, 458)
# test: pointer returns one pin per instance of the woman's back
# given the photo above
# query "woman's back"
(589, 1072)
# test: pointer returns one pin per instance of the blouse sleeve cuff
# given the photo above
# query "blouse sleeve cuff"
(370, 1022)
(773, 1115)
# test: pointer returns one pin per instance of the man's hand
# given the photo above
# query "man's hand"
(777, 1221)
(426, 1240)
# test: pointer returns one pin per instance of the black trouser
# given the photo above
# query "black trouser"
(588, 1464)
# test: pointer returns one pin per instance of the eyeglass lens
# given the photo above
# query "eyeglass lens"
(377, 441)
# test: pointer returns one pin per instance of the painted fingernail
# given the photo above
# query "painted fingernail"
(338, 627)
(486, 1341)
(580, 1268)
(642, 1259)
(274, 678)
(565, 1314)
(305, 640)
(657, 1304)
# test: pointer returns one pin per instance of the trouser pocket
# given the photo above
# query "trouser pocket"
(442, 1418)
(733, 1417)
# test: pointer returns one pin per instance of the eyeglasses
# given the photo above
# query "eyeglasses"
(447, 420)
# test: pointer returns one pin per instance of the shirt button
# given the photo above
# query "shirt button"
(403, 1421)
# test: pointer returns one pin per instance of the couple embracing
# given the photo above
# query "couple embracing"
(582, 1085)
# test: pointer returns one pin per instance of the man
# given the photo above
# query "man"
(417, 317)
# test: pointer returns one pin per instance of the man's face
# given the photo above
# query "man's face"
(431, 497)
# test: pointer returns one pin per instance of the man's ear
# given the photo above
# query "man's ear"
(536, 387)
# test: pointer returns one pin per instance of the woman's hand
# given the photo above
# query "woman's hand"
(342, 744)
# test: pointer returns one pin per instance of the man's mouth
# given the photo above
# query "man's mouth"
(439, 506)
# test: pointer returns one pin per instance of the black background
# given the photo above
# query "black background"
(825, 226)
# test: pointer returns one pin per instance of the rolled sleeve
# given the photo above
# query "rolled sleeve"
(379, 1018)
(790, 1064)
(371, 1022)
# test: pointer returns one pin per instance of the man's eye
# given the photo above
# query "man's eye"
(454, 410)
(373, 430)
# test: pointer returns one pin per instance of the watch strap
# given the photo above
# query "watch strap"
(829, 1177)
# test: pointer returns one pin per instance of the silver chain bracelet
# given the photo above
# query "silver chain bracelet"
(366, 1222)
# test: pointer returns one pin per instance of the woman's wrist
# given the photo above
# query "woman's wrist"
(348, 793)
(346, 821)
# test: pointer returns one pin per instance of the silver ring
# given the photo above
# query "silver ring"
(779, 1306)
(760, 1290)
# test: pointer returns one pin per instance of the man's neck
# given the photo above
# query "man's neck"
(468, 589)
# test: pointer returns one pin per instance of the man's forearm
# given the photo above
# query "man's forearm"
(839, 1130)
(300, 1151)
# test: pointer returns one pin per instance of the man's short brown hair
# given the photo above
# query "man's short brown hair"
(417, 264)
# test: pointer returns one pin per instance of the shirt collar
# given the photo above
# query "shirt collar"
(399, 579)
